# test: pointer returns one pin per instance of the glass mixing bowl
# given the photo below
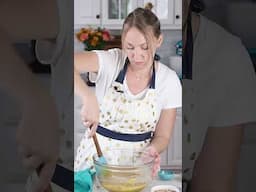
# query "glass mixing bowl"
(125, 171)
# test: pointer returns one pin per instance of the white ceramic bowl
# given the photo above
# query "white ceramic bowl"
(165, 188)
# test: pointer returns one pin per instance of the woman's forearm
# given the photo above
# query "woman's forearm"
(164, 129)
(160, 143)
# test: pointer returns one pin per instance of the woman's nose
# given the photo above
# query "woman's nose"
(137, 55)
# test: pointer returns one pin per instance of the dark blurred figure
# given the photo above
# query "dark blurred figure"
(39, 131)
(218, 101)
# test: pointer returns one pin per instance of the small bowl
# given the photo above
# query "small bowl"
(164, 188)
(165, 174)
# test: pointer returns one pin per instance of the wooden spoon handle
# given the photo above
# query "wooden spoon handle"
(96, 143)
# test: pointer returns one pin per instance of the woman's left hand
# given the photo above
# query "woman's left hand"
(149, 154)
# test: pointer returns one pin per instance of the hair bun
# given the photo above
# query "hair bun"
(149, 6)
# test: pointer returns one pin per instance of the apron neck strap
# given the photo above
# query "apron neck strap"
(153, 78)
(121, 75)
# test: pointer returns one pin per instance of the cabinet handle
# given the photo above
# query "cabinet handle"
(97, 16)
(177, 16)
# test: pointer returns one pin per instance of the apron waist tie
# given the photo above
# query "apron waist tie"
(124, 136)
(63, 177)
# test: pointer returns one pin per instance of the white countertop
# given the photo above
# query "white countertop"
(176, 181)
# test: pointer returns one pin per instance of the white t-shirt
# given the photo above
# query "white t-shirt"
(224, 71)
(222, 91)
(167, 84)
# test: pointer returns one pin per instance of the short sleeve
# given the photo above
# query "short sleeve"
(171, 92)
(110, 63)
(235, 89)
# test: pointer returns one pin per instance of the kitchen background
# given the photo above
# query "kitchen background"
(110, 14)
(237, 21)
(170, 10)
(14, 176)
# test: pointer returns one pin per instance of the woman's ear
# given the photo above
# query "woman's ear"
(159, 41)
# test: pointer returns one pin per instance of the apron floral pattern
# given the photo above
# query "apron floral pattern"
(127, 118)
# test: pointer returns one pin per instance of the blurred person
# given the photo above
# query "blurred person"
(218, 100)
(40, 129)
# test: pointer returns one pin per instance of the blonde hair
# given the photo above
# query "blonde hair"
(149, 6)
(145, 21)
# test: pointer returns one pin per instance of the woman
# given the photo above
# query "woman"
(135, 93)
(21, 21)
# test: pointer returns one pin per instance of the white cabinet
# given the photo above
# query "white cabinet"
(169, 12)
(172, 156)
(87, 12)
(111, 13)
(115, 11)
(163, 9)
(178, 12)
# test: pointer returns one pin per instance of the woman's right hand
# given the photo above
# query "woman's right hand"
(149, 154)
(90, 112)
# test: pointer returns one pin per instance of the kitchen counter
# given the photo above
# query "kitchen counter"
(176, 181)
(20, 186)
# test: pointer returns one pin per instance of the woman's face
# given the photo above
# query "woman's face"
(137, 48)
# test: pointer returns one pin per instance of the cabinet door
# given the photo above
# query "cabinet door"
(178, 12)
(86, 12)
(164, 9)
(172, 156)
(114, 12)
(175, 146)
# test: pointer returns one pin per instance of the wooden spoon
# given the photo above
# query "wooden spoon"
(98, 149)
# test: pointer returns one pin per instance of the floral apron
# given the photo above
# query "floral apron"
(125, 122)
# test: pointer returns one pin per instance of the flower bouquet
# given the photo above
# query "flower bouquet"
(93, 39)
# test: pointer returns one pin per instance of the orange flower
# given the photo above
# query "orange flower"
(92, 33)
(96, 38)
(99, 34)
(106, 36)
(83, 30)
(83, 37)
(95, 41)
